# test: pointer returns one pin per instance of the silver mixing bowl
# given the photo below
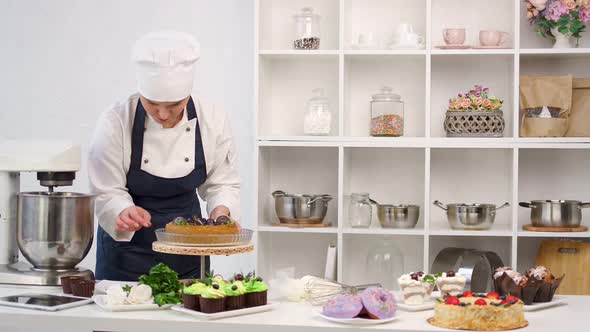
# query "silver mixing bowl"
(55, 230)
(398, 216)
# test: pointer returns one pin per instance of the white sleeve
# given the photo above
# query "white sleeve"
(222, 186)
(106, 172)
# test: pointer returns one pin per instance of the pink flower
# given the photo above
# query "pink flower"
(570, 4)
(486, 103)
(466, 103)
(555, 10)
(478, 101)
(585, 14)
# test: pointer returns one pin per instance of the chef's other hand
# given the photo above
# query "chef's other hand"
(221, 210)
(132, 219)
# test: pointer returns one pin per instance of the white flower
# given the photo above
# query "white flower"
(116, 295)
(140, 294)
(539, 4)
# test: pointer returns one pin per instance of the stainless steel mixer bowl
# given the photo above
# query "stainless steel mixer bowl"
(398, 216)
(55, 230)
(470, 216)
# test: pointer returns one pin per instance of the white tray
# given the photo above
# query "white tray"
(427, 305)
(226, 314)
(100, 301)
(357, 321)
(557, 301)
(102, 286)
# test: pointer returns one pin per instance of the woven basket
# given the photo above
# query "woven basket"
(474, 123)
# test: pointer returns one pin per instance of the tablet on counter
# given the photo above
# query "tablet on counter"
(47, 302)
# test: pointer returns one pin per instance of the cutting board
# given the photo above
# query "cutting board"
(569, 257)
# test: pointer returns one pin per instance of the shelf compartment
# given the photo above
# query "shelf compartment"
(357, 247)
(280, 229)
(365, 75)
(390, 176)
(286, 84)
(451, 74)
(305, 170)
(378, 230)
(277, 28)
(304, 252)
(381, 17)
(500, 245)
(474, 16)
(586, 234)
(553, 174)
(470, 176)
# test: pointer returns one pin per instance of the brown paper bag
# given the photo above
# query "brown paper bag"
(579, 125)
(545, 104)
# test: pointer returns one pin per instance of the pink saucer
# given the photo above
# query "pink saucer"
(481, 47)
(453, 47)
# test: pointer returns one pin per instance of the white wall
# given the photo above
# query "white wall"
(62, 62)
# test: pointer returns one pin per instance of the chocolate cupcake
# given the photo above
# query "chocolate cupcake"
(509, 282)
(212, 299)
(235, 293)
(256, 292)
(548, 283)
(66, 283)
(191, 295)
(83, 288)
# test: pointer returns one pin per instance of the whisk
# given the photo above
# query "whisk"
(318, 291)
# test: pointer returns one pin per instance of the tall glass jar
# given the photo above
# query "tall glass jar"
(385, 263)
(307, 30)
(360, 210)
(387, 114)
(318, 118)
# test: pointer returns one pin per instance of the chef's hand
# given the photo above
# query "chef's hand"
(132, 219)
(221, 210)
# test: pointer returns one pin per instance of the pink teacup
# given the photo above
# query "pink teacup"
(493, 38)
(454, 36)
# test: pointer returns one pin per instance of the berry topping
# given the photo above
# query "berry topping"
(215, 285)
(510, 299)
(420, 274)
(238, 277)
(480, 302)
(414, 276)
(234, 287)
(467, 293)
(450, 274)
(210, 222)
(258, 279)
(493, 295)
(463, 304)
(452, 300)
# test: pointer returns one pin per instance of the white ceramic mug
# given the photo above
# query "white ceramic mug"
(405, 36)
(454, 36)
(493, 37)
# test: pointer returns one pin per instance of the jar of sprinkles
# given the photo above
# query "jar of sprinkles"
(387, 114)
(307, 30)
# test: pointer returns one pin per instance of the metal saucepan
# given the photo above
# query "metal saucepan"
(300, 208)
(555, 213)
(397, 215)
(470, 216)
(55, 230)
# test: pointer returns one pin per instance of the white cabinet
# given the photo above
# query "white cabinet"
(423, 165)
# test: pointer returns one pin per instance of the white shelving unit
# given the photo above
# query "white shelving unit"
(422, 166)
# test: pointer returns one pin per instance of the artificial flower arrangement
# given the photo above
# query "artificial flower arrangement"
(476, 99)
(554, 17)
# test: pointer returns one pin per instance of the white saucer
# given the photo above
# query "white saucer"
(356, 321)
(481, 47)
(427, 305)
(406, 47)
(557, 301)
(454, 47)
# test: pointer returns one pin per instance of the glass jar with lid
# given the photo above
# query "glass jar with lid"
(318, 117)
(307, 30)
(387, 114)
(360, 210)
(385, 263)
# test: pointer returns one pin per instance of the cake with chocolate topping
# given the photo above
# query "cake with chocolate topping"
(197, 225)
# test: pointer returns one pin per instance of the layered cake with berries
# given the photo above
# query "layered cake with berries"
(490, 312)
(416, 287)
(450, 283)
(196, 225)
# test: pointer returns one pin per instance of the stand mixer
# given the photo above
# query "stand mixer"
(53, 230)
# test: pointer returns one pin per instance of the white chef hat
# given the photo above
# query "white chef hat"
(164, 63)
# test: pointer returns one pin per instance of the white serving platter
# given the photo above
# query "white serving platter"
(226, 314)
(427, 305)
(356, 321)
(101, 301)
(102, 286)
(557, 301)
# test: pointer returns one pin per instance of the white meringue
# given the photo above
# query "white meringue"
(116, 295)
(140, 294)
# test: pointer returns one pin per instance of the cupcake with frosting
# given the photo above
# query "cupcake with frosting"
(548, 283)
(235, 293)
(510, 282)
(191, 295)
(450, 283)
(256, 291)
(212, 299)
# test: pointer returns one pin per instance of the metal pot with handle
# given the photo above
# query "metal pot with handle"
(555, 213)
(470, 216)
(300, 208)
(397, 215)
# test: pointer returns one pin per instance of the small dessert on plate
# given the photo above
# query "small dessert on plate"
(548, 283)
(372, 303)
(343, 306)
(191, 295)
(256, 291)
(450, 283)
(235, 295)
(489, 312)
(212, 299)
(379, 303)
(416, 287)
(538, 284)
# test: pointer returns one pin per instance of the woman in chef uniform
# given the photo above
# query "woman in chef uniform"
(150, 155)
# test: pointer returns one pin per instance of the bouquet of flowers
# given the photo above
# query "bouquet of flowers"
(477, 99)
(552, 17)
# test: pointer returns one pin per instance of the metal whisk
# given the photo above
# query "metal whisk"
(318, 291)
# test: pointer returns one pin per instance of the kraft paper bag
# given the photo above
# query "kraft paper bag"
(579, 125)
(545, 105)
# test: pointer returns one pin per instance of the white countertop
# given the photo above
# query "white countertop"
(288, 317)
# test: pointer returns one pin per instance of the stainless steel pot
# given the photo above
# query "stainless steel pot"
(470, 216)
(55, 230)
(300, 208)
(555, 213)
(397, 215)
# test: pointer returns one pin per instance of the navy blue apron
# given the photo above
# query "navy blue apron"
(165, 199)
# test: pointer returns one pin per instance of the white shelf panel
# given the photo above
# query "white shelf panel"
(555, 234)
(384, 52)
(453, 232)
(276, 229)
(302, 53)
(383, 231)
(555, 51)
(473, 51)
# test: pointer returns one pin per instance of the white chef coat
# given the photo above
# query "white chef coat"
(166, 151)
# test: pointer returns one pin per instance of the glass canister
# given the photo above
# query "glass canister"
(387, 114)
(307, 30)
(360, 210)
(318, 118)
(384, 264)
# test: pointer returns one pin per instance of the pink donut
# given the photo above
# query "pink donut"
(379, 303)
(343, 306)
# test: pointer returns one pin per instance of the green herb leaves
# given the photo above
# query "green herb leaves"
(164, 283)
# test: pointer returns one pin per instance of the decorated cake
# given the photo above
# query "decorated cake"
(197, 225)
(490, 312)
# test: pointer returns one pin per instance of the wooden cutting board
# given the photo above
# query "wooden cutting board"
(569, 257)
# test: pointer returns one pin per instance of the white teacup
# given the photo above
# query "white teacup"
(406, 37)
(493, 38)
